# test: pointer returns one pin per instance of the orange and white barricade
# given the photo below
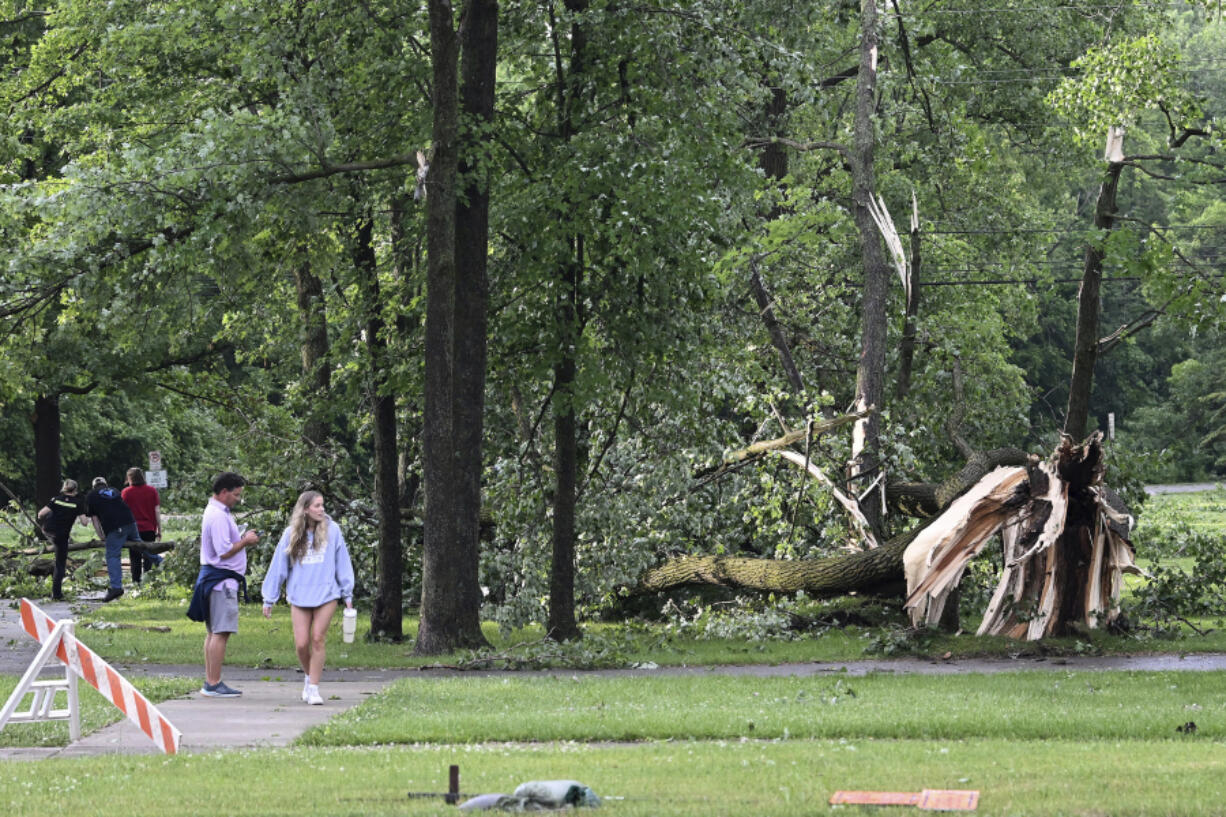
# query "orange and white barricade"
(58, 639)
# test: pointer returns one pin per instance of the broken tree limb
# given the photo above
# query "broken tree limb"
(850, 505)
(922, 499)
(766, 310)
(738, 459)
(148, 547)
(975, 516)
(868, 571)
(791, 438)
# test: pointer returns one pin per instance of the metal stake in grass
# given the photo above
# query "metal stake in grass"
(452, 795)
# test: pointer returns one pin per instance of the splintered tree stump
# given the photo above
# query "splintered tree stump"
(1064, 537)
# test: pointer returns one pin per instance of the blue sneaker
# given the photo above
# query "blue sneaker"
(219, 690)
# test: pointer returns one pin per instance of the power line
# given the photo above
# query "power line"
(1040, 9)
(1059, 229)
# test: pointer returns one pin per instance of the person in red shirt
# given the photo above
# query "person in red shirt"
(146, 505)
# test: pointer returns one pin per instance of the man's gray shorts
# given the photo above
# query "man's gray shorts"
(223, 610)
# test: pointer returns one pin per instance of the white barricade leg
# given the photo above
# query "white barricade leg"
(43, 692)
(59, 640)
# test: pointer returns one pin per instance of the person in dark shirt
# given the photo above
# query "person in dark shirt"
(116, 526)
(61, 512)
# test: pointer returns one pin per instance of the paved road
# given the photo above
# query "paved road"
(271, 712)
(1183, 488)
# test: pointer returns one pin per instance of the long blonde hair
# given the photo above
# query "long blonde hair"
(300, 524)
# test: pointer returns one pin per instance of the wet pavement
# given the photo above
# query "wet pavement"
(271, 712)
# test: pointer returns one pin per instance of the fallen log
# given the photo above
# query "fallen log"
(34, 561)
(1064, 539)
(148, 547)
(874, 572)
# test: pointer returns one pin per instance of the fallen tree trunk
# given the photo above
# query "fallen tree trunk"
(1065, 545)
(73, 547)
(875, 572)
(923, 499)
(35, 562)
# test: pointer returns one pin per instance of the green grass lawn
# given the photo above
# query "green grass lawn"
(664, 776)
(1028, 706)
(792, 778)
(137, 630)
(1033, 743)
(1203, 511)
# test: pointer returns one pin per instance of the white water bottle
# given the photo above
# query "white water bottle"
(349, 624)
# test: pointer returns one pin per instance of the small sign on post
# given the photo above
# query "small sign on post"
(156, 475)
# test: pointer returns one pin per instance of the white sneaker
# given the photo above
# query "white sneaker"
(312, 695)
(306, 687)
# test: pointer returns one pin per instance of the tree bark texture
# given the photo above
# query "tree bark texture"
(455, 340)
(870, 373)
(440, 628)
(774, 156)
(562, 624)
(478, 66)
(862, 571)
(924, 499)
(1085, 348)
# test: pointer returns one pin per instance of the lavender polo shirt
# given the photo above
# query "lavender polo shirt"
(218, 533)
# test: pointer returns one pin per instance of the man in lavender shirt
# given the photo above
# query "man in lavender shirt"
(223, 563)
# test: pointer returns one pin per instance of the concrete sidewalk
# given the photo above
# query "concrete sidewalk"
(269, 712)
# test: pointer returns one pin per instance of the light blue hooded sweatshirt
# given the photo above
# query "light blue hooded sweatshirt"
(324, 574)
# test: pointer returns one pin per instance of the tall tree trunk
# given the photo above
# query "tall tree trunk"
(316, 374)
(440, 629)
(562, 625)
(451, 457)
(774, 157)
(47, 466)
(1085, 348)
(870, 374)
(387, 612)
(478, 66)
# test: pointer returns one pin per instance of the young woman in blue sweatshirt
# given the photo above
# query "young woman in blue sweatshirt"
(312, 561)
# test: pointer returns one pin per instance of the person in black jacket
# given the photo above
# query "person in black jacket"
(116, 526)
(64, 509)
